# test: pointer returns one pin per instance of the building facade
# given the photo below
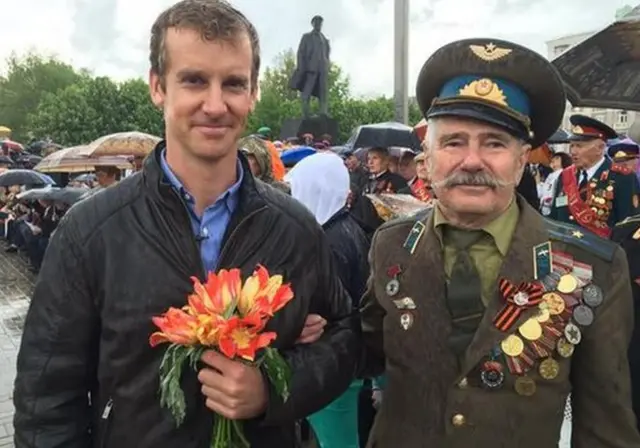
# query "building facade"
(620, 120)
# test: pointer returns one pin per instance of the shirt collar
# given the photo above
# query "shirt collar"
(592, 171)
(500, 229)
(230, 196)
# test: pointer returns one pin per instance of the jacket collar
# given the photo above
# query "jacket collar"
(162, 192)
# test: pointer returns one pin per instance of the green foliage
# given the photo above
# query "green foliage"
(30, 78)
(94, 107)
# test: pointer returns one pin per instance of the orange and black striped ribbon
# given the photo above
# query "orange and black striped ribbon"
(511, 311)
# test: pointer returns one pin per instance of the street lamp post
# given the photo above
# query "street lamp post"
(401, 60)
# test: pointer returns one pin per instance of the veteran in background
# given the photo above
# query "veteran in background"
(483, 314)
(594, 193)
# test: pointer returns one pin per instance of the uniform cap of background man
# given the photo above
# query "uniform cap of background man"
(623, 150)
(496, 82)
(585, 128)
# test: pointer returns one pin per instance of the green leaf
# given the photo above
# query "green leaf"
(278, 371)
(171, 394)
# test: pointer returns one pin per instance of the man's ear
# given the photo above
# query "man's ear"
(156, 89)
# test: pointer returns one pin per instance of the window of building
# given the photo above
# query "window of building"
(600, 117)
(560, 49)
(623, 117)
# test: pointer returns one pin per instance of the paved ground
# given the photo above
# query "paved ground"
(16, 285)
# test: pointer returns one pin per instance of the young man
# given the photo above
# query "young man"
(484, 315)
(86, 373)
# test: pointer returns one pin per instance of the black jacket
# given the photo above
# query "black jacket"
(126, 254)
(350, 248)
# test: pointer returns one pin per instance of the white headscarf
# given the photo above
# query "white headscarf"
(321, 183)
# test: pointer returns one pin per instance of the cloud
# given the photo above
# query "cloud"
(110, 37)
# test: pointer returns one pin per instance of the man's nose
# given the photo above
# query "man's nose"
(472, 157)
(214, 103)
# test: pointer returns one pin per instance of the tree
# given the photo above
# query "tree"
(95, 107)
(28, 80)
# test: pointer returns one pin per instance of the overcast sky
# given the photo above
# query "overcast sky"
(110, 37)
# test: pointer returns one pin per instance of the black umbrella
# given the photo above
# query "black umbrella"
(24, 177)
(65, 195)
(604, 70)
(560, 136)
(384, 135)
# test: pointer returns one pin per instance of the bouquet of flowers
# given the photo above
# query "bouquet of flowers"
(228, 316)
(391, 206)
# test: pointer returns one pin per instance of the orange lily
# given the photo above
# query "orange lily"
(218, 294)
(263, 294)
(176, 326)
(240, 337)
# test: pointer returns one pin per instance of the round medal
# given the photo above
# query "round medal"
(393, 287)
(549, 369)
(525, 386)
(543, 314)
(491, 375)
(512, 345)
(565, 348)
(583, 315)
(550, 282)
(567, 284)
(572, 333)
(555, 303)
(592, 295)
(531, 330)
(521, 298)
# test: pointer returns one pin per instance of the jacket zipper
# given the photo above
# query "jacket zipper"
(106, 419)
(226, 244)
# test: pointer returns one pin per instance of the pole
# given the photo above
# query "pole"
(401, 61)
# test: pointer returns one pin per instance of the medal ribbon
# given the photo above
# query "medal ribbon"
(510, 312)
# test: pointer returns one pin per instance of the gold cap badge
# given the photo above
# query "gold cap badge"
(489, 52)
(485, 89)
(577, 130)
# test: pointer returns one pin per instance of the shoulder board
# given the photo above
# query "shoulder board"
(617, 168)
(582, 238)
(422, 215)
(629, 220)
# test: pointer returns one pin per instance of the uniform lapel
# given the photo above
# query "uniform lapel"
(517, 267)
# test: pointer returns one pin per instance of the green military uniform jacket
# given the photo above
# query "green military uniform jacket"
(612, 195)
(627, 234)
(433, 399)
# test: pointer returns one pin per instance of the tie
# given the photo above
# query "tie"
(464, 291)
(582, 186)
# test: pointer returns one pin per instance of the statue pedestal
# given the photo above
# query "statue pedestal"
(316, 125)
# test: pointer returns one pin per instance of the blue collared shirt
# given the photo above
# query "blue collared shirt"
(209, 228)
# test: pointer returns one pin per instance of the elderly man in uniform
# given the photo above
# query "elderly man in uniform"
(626, 153)
(593, 192)
(483, 314)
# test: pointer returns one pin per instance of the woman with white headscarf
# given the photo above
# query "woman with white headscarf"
(321, 183)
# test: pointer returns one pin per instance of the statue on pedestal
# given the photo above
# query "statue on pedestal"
(312, 69)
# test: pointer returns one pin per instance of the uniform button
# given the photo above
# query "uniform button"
(458, 420)
(571, 218)
(463, 383)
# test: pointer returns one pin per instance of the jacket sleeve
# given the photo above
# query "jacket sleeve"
(372, 318)
(322, 370)
(601, 396)
(57, 357)
(626, 196)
